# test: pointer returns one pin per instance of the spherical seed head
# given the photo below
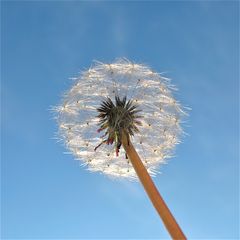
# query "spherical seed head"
(110, 98)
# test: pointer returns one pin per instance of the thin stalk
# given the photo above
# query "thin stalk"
(158, 202)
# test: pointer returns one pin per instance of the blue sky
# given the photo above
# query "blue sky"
(45, 194)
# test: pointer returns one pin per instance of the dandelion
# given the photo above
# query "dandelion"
(121, 119)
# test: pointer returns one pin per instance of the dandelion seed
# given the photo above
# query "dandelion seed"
(111, 98)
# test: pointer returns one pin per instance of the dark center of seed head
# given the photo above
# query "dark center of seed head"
(116, 119)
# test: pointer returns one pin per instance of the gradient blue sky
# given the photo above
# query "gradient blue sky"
(45, 193)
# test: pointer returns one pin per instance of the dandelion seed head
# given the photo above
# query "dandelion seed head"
(110, 98)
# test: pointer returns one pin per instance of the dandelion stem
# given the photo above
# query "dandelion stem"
(158, 202)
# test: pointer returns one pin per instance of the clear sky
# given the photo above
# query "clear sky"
(45, 193)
